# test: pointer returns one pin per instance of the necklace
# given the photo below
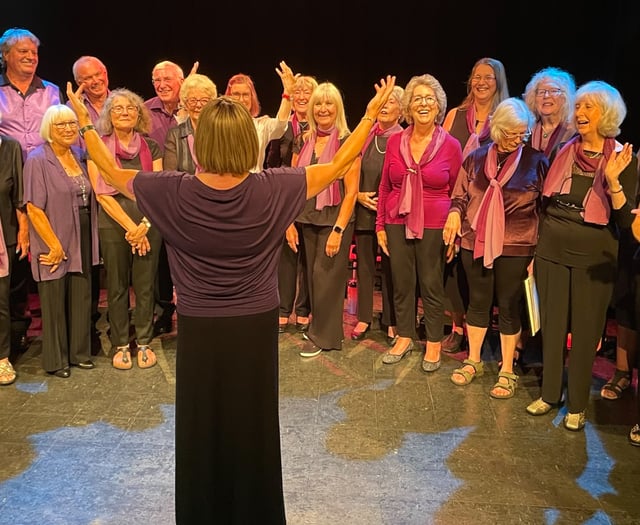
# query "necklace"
(79, 180)
(375, 141)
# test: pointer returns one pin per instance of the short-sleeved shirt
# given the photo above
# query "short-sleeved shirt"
(223, 246)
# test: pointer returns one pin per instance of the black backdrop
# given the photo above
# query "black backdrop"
(350, 43)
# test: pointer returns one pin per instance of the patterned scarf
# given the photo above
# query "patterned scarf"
(596, 203)
(489, 220)
(411, 202)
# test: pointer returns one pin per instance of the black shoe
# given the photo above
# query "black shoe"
(85, 365)
(64, 373)
(163, 325)
(21, 343)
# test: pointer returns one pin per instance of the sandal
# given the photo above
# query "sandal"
(7, 372)
(634, 436)
(616, 385)
(509, 387)
(122, 358)
(478, 370)
(146, 357)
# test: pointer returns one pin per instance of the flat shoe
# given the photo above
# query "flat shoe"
(634, 436)
(389, 359)
(7, 372)
(478, 370)
(122, 358)
(63, 373)
(430, 366)
(356, 335)
(85, 365)
(146, 357)
(310, 350)
(574, 422)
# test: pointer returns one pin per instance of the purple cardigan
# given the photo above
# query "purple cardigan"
(47, 186)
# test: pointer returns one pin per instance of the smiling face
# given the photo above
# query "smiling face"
(242, 93)
(300, 99)
(587, 116)
(124, 114)
(423, 106)
(325, 112)
(549, 99)
(483, 83)
(22, 59)
(196, 99)
(167, 81)
(64, 132)
(93, 76)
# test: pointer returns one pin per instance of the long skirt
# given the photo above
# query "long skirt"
(228, 464)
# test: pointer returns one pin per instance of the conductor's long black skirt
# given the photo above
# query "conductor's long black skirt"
(228, 465)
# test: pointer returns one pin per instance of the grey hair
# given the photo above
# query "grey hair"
(52, 115)
(610, 101)
(424, 80)
(565, 82)
(510, 113)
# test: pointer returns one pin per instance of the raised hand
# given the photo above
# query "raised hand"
(616, 164)
(288, 78)
(383, 91)
(78, 106)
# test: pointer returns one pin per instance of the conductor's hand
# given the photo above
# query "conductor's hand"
(383, 91)
(78, 107)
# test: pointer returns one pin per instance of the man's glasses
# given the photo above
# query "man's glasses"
(119, 110)
(60, 126)
(195, 102)
(428, 100)
(540, 93)
(158, 81)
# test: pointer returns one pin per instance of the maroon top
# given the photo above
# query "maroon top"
(223, 246)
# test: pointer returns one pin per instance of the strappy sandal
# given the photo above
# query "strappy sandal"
(634, 436)
(616, 385)
(7, 372)
(509, 386)
(146, 357)
(478, 370)
(122, 358)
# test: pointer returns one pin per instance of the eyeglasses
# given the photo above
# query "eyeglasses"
(194, 102)
(60, 126)
(548, 92)
(235, 94)
(118, 110)
(158, 81)
(428, 100)
(512, 136)
(486, 78)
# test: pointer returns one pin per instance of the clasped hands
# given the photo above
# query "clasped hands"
(137, 238)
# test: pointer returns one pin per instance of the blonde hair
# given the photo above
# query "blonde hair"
(51, 116)
(326, 91)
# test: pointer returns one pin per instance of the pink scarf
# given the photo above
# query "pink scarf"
(330, 196)
(554, 139)
(596, 203)
(191, 143)
(411, 202)
(474, 140)
(489, 220)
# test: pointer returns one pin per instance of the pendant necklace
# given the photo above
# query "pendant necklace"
(375, 141)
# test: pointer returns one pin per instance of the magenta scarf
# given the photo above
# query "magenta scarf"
(136, 147)
(489, 220)
(554, 139)
(474, 140)
(596, 203)
(411, 202)
(377, 131)
(330, 196)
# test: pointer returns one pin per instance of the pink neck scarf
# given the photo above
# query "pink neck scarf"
(411, 203)
(137, 146)
(474, 140)
(489, 220)
(596, 203)
(330, 196)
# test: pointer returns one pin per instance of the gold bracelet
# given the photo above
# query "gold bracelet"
(367, 118)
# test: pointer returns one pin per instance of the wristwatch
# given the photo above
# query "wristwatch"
(337, 229)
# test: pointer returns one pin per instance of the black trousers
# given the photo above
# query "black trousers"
(228, 461)
(292, 280)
